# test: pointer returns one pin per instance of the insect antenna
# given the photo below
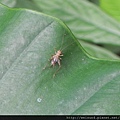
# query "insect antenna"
(62, 41)
(70, 43)
(66, 46)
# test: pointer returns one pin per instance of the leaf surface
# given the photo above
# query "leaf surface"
(85, 35)
(83, 85)
(85, 20)
(97, 51)
(111, 7)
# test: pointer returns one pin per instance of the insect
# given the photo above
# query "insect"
(56, 59)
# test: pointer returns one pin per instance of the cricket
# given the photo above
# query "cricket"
(56, 58)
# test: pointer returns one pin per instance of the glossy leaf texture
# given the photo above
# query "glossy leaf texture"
(98, 51)
(83, 85)
(86, 20)
(75, 23)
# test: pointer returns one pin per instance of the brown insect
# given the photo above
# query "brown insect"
(56, 59)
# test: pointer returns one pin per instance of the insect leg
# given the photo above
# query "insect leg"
(61, 55)
(55, 50)
(56, 71)
(47, 65)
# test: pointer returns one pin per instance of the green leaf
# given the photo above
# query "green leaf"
(83, 85)
(111, 7)
(97, 51)
(92, 50)
(20, 3)
(10, 3)
(85, 20)
(26, 4)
